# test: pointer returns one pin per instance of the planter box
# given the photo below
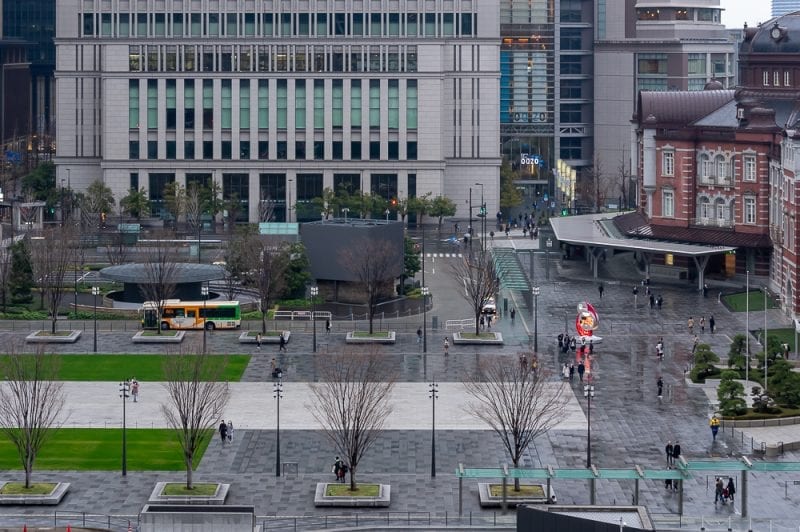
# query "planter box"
(497, 339)
(381, 501)
(156, 496)
(351, 338)
(246, 338)
(52, 498)
(171, 337)
(42, 337)
(489, 501)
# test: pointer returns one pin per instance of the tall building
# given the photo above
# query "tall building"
(545, 89)
(650, 45)
(33, 21)
(783, 7)
(275, 101)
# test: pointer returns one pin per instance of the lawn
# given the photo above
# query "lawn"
(143, 367)
(480, 336)
(525, 490)
(343, 490)
(367, 334)
(18, 488)
(205, 489)
(737, 302)
(783, 336)
(101, 450)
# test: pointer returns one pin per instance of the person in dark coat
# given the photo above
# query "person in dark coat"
(676, 451)
(223, 431)
(660, 386)
(668, 450)
(581, 371)
(731, 488)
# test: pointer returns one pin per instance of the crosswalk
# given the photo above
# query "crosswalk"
(442, 255)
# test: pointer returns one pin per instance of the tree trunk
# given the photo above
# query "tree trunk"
(28, 472)
(477, 324)
(53, 324)
(263, 321)
(516, 479)
(353, 485)
(189, 473)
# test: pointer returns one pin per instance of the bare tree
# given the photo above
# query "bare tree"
(351, 402)
(197, 398)
(51, 256)
(117, 250)
(5, 274)
(160, 275)
(266, 209)
(269, 268)
(517, 403)
(478, 275)
(31, 401)
(374, 264)
(193, 207)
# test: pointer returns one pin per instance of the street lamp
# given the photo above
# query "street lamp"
(433, 389)
(345, 210)
(425, 293)
(314, 294)
(95, 293)
(588, 393)
(124, 389)
(747, 327)
(482, 214)
(536, 292)
(386, 212)
(547, 245)
(204, 293)
(277, 395)
(766, 351)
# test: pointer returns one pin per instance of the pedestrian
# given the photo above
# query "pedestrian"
(534, 364)
(601, 289)
(714, 424)
(668, 484)
(652, 301)
(258, 341)
(659, 302)
(513, 315)
(711, 324)
(135, 391)
(491, 235)
(489, 321)
(327, 326)
(223, 431)
(446, 346)
(560, 340)
(695, 344)
(676, 451)
(565, 371)
(523, 362)
(702, 324)
(690, 325)
(718, 487)
(482, 321)
(731, 488)
(571, 372)
(419, 335)
(282, 343)
(573, 344)
(660, 385)
(337, 465)
(660, 349)
(273, 364)
(591, 347)
(668, 450)
(581, 371)
(230, 430)
(705, 290)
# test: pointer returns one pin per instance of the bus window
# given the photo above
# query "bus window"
(190, 313)
(179, 313)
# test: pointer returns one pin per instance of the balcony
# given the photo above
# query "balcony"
(712, 181)
(715, 223)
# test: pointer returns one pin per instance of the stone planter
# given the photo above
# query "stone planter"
(459, 339)
(166, 337)
(382, 500)
(489, 501)
(351, 338)
(52, 498)
(157, 496)
(247, 338)
(44, 337)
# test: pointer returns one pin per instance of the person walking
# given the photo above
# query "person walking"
(135, 391)
(565, 371)
(446, 346)
(513, 315)
(652, 301)
(731, 488)
(714, 424)
(668, 451)
(718, 487)
(419, 335)
(258, 341)
(337, 465)
(230, 430)
(659, 301)
(695, 344)
(581, 371)
(327, 326)
(690, 325)
(571, 372)
(676, 451)
(223, 432)
(660, 386)
(282, 343)
(601, 289)
(705, 290)
(711, 324)
(702, 324)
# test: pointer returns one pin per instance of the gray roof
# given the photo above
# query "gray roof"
(725, 116)
(589, 230)
(186, 272)
(680, 108)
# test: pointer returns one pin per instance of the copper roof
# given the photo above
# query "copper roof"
(679, 108)
(635, 225)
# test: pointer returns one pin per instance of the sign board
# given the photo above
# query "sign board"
(546, 197)
(278, 228)
(129, 228)
(549, 242)
(530, 160)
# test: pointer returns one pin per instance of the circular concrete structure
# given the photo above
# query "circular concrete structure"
(188, 279)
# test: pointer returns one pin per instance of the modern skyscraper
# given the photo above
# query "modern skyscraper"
(275, 101)
(783, 7)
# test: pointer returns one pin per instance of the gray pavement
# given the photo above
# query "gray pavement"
(630, 425)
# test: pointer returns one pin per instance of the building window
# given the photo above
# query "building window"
(133, 149)
(208, 104)
(571, 148)
(319, 104)
(394, 104)
(749, 167)
(668, 163)
(571, 39)
(355, 104)
(355, 150)
(134, 181)
(281, 101)
(337, 111)
(571, 113)
(188, 103)
(244, 104)
(776, 78)
(374, 150)
(411, 151)
(300, 104)
(749, 210)
(723, 170)
(411, 104)
(226, 114)
(374, 103)
(152, 104)
(171, 104)
(765, 78)
(263, 104)
(152, 149)
(787, 78)
(705, 210)
(188, 149)
(668, 204)
(133, 104)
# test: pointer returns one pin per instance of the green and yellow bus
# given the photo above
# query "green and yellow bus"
(177, 314)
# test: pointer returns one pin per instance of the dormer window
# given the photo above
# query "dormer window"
(765, 76)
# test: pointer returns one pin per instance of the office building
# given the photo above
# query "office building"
(275, 101)
(784, 7)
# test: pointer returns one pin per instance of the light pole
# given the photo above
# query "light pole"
(425, 292)
(278, 394)
(314, 294)
(345, 210)
(588, 393)
(289, 201)
(547, 245)
(482, 214)
(536, 292)
(747, 327)
(469, 229)
(386, 212)
(433, 389)
(204, 292)
(124, 389)
(766, 351)
(95, 293)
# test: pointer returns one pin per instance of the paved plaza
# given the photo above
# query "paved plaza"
(630, 424)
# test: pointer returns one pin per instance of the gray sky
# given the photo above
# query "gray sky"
(737, 12)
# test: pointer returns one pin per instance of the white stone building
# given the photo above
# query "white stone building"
(278, 99)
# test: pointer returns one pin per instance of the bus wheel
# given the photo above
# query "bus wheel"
(210, 326)
(164, 326)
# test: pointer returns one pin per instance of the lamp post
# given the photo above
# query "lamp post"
(747, 327)
(535, 290)
(124, 389)
(433, 389)
(345, 210)
(289, 200)
(386, 212)
(482, 214)
(588, 393)
(469, 229)
(95, 293)
(278, 394)
(314, 294)
(766, 351)
(547, 245)
(425, 292)
(204, 292)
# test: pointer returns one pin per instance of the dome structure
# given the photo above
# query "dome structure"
(780, 35)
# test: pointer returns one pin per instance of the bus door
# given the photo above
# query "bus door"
(179, 319)
(193, 319)
(150, 320)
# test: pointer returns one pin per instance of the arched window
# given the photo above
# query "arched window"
(704, 210)
(721, 211)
